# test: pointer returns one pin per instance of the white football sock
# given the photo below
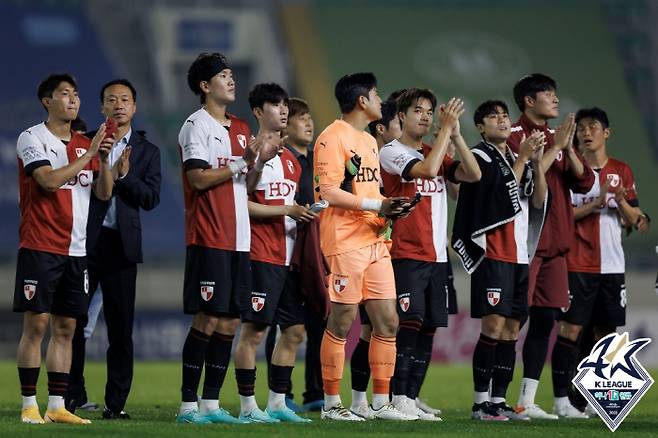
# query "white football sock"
(187, 407)
(30, 400)
(330, 401)
(359, 398)
(207, 406)
(379, 400)
(247, 404)
(276, 401)
(55, 402)
(480, 397)
(528, 391)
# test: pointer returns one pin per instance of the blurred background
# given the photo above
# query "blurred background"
(602, 53)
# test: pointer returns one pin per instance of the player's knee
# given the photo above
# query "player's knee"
(493, 326)
(228, 326)
(35, 328)
(366, 332)
(569, 331)
(294, 335)
(63, 328)
(387, 327)
(205, 323)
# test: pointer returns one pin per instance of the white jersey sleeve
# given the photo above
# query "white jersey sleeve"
(31, 151)
(395, 158)
(193, 140)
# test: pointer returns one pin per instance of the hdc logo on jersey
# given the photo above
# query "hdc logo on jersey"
(280, 189)
(430, 186)
(340, 282)
(404, 301)
(30, 289)
(207, 290)
(242, 140)
(367, 174)
(84, 179)
(612, 379)
(493, 295)
(258, 301)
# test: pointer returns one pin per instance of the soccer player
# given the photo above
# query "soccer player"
(596, 260)
(535, 95)
(216, 153)
(385, 130)
(419, 260)
(274, 297)
(494, 235)
(58, 168)
(350, 238)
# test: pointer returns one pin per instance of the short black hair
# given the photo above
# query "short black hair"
(487, 108)
(352, 86)
(267, 93)
(595, 113)
(204, 67)
(397, 93)
(297, 107)
(411, 96)
(389, 112)
(530, 85)
(48, 85)
(120, 81)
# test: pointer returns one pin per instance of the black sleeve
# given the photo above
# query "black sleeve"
(634, 202)
(407, 169)
(144, 190)
(35, 165)
(450, 172)
(195, 163)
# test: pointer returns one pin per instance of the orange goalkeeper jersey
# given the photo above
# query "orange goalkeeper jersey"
(343, 230)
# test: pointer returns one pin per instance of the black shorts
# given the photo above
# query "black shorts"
(274, 297)
(422, 291)
(51, 283)
(453, 308)
(596, 298)
(215, 279)
(499, 288)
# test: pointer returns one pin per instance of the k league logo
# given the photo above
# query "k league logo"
(612, 379)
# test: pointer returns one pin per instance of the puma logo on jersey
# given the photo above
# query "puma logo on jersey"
(189, 121)
(54, 152)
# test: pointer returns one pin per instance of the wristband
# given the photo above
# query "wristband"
(237, 166)
(371, 204)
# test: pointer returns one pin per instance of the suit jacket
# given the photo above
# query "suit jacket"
(140, 188)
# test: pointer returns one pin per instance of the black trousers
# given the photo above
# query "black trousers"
(117, 277)
(314, 325)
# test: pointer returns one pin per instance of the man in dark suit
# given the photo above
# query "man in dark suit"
(114, 246)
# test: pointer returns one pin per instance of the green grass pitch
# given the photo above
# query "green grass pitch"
(154, 399)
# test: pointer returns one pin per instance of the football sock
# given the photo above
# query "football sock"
(404, 357)
(503, 369)
(381, 357)
(422, 359)
(535, 346)
(57, 387)
(332, 358)
(565, 353)
(280, 384)
(359, 397)
(483, 361)
(28, 378)
(29, 400)
(246, 379)
(207, 406)
(194, 353)
(528, 391)
(359, 367)
(218, 355)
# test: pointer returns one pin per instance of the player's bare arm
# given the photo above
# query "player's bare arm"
(628, 214)
(204, 179)
(528, 149)
(104, 183)
(596, 204)
(448, 119)
(269, 147)
(52, 179)
(541, 187)
(563, 141)
(296, 211)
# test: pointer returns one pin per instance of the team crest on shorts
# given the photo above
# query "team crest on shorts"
(611, 378)
(207, 292)
(404, 301)
(242, 140)
(340, 283)
(85, 281)
(258, 301)
(493, 296)
(30, 289)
